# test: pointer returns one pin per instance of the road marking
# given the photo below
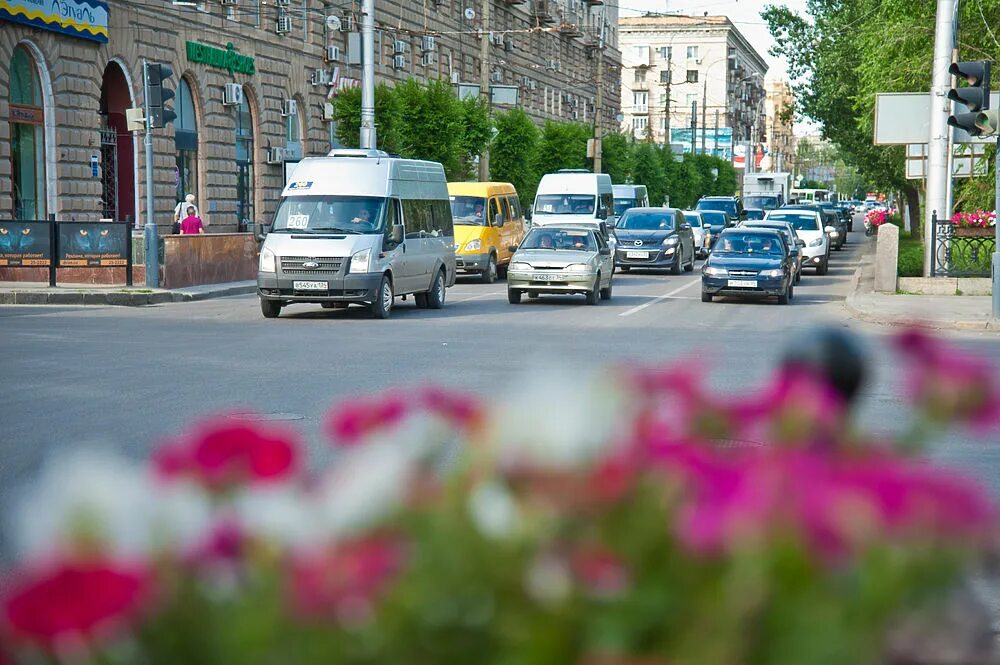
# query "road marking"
(639, 308)
(478, 297)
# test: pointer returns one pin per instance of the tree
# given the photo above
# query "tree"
(648, 170)
(616, 157)
(477, 130)
(563, 145)
(512, 153)
(431, 124)
(347, 115)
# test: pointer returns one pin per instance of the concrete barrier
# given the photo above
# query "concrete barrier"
(208, 258)
(887, 258)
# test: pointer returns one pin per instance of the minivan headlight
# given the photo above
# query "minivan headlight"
(474, 245)
(360, 260)
(818, 242)
(267, 261)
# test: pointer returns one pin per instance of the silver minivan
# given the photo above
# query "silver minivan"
(359, 227)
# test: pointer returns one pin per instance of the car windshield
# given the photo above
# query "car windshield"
(469, 210)
(763, 202)
(621, 205)
(801, 222)
(565, 204)
(713, 219)
(754, 213)
(763, 244)
(725, 205)
(333, 214)
(561, 239)
(647, 221)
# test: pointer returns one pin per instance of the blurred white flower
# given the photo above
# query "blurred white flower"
(494, 511)
(548, 579)
(283, 515)
(182, 515)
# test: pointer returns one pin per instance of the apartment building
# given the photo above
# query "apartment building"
(254, 83)
(684, 72)
(779, 139)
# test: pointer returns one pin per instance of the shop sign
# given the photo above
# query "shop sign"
(86, 19)
(93, 244)
(27, 115)
(24, 244)
(227, 58)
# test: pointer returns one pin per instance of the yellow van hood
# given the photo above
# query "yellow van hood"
(466, 232)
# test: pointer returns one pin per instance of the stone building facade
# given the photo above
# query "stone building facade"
(65, 148)
(780, 137)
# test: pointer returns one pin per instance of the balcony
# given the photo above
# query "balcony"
(512, 3)
(593, 3)
(542, 11)
(571, 30)
(590, 37)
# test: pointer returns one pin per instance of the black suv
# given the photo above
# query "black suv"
(731, 205)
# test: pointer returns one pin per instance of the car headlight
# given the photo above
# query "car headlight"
(360, 260)
(777, 272)
(712, 271)
(578, 267)
(672, 240)
(474, 245)
(520, 266)
(818, 242)
(267, 261)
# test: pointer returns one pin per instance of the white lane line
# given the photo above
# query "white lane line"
(639, 308)
(478, 297)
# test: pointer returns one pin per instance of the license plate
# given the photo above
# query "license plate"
(546, 278)
(636, 255)
(310, 286)
(743, 283)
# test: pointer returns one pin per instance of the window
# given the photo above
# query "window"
(665, 52)
(26, 137)
(641, 54)
(665, 76)
(244, 165)
(442, 219)
(692, 76)
(418, 217)
(255, 14)
(640, 101)
(640, 76)
(692, 52)
(515, 208)
(663, 99)
(186, 143)
(494, 211)
(640, 123)
(663, 124)
(506, 210)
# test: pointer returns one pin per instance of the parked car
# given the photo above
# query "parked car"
(748, 263)
(359, 227)
(655, 238)
(717, 221)
(792, 240)
(731, 205)
(488, 221)
(562, 259)
(808, 224)
(702, 233)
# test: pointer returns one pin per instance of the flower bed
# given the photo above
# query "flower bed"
(978, 219)
(588, 516)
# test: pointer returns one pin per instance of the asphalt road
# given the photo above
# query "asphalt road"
(127, 377)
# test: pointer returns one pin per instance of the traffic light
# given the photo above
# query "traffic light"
(979, 120)
(157, 96)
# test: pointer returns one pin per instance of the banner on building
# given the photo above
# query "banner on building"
(86, 19)
(93, 244)
(24, 244)
(717, 142)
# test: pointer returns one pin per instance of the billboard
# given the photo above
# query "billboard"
(93, 244)
(718, 142)
(24, 244)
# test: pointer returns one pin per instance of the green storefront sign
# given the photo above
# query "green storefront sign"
(227, 59)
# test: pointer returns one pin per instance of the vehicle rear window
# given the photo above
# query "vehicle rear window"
(801, 222)
(723, 205)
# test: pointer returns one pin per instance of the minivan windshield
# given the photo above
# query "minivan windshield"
(469, 210)
(329, 214)
(801, 221)
(762, 202)
(621, 205)
(565, 204)
(647, 221)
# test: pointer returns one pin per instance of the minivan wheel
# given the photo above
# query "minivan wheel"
(435, 297)
(382, 305)
(270, 308)
(489, 275)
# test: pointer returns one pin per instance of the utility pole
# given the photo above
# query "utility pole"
(598, 114)
(704, 109)
(937, 142)
(369, 136)
(484, 82)
(151, 243)
(694, 126)
(715, 145)
(666, 105)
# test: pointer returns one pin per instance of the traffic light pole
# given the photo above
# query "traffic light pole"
(937, 144)
(996, 248)
(149, 229)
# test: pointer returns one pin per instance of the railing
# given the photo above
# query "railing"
(961, 252)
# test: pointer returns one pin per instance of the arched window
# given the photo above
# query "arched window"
(244, 165)
(27, 136)
(186, 142)
(293, 133)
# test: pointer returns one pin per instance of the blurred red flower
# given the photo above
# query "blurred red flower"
(356, 419)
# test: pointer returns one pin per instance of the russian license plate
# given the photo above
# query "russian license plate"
(546, 278)
(310, 286)
(636, 255)
(743, 283)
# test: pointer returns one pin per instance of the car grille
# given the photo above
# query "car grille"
(329, 265)
(742, 273)
(547, 268)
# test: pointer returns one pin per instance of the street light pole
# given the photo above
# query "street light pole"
(484, 82)
(599, 97)
(996, 247)
(937, 142)
(369, 138)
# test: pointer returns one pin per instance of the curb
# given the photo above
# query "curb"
(121, 298)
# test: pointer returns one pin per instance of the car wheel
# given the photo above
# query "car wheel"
(706, 296)
(270, 308)
(676, 268)
(606, 292)
(798, 277)
(489, 275)
(502, 272)
(594, 294)
(436, 296)
(513, 296)
(690, 266)
(384, 297)
(791, 292)
(823, 267)
(534, 295)
(783, 298)
(624, 268)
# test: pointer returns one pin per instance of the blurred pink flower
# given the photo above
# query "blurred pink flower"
(223, 453)
(796, 408)
(600, 570)
(461, 411)
(352, 421)
(71, 599)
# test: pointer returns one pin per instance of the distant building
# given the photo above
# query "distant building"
(779, 139)
(684, 70)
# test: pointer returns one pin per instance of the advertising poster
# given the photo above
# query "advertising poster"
(718, 142)
(24, 244)
(93, 244)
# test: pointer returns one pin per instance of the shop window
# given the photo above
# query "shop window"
(186, 143)
(244, 166)
(27, 137)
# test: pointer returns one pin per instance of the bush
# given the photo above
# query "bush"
(911, 257)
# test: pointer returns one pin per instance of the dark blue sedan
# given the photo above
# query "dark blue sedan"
(748, 263)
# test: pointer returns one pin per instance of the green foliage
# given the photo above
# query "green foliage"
(512, 153)
(431, 124)
(347, 114)
(911, 256)
(647, 169)
(616, 157)
(563, 146)
(477, 130)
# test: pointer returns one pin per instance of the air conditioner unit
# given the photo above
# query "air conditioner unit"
(282, 3)
(333, 54)
(347, 21)
(496, 77)
(399, 46)
(232, 94)
(230, 2)
(508, 43)
(275, 155)
(428, 58)
(283, 25)
(289, 107)
(320, 77)
(327, 111)
(399, 62)
(428, 43)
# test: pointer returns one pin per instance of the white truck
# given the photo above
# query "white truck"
(766, 190)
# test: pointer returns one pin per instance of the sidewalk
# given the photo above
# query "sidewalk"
(38, 293)
(936, 312)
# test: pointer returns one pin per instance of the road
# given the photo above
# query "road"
(128, 377)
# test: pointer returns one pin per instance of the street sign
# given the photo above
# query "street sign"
(969, 161)
(905, 117)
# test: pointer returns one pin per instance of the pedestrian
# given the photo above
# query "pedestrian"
(181, 208)
(191, 225)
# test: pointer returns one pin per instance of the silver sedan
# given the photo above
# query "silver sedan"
(561, 259)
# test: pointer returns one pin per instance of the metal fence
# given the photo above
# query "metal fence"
(957, 253)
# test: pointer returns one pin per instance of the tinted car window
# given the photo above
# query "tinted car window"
(647, 221)
(549, 238)
(725, 205)
(800, 221)
(763, 244)
(715, 219)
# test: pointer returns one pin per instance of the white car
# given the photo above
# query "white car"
(702, 233)
(808, 226)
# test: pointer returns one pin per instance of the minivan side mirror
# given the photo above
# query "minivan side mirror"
(604, 229)
(512, 248)
(397, 234)
(260, 230)
(527, 213)
(498, 219)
